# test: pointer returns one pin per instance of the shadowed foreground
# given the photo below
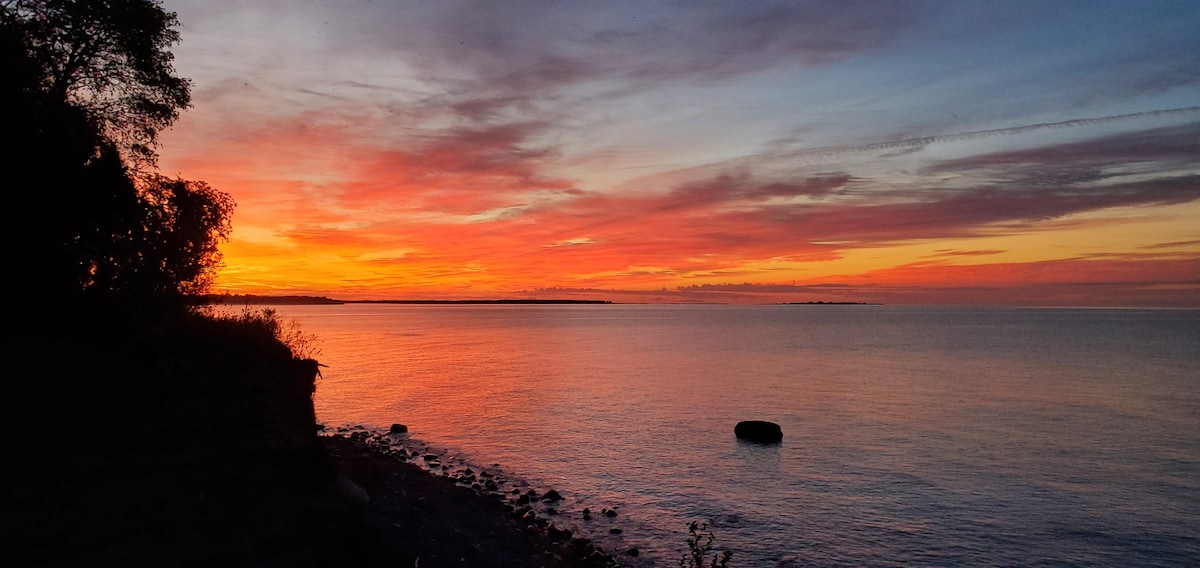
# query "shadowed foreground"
(190, 442)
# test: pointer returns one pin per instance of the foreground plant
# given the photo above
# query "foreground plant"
(303, 344)
(700, 544)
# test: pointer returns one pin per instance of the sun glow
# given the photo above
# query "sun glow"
(405, 164)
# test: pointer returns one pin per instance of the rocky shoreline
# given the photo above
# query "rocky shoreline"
(193, 443)
(431, 509)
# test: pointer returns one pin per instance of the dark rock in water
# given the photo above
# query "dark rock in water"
(615, 530)
(633, 551)
(584, 545)
(398, 429)
(609, 513)
(759, 432)
(551, 495)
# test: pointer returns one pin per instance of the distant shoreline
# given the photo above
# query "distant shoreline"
(511, 301)
(253, 299)
(831, 304)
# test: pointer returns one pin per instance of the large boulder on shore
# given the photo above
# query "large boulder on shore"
(758, 431)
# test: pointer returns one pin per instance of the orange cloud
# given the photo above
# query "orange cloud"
(482, 210)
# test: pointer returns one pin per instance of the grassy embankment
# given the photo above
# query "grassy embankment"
(183, 440)
(191, 441)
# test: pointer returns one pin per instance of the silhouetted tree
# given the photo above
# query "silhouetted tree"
(87, 86)
(109, 58)
(177, 252)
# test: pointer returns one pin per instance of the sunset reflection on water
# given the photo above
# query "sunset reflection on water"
(910, 435)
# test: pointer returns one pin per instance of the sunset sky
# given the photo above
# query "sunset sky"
(1013, 152)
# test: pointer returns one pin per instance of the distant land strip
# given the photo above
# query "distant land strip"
(509, 301)
(239, 299)
(257, 299)
(833, 304)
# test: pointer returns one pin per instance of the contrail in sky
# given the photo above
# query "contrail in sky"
(926, 140)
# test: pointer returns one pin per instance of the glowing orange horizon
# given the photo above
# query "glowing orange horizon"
(412, 164)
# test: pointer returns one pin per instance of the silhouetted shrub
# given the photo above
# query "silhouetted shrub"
(266, 321)
(700, 541)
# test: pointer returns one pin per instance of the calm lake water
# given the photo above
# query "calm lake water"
(912, 436)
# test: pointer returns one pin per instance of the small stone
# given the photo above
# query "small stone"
(398, 429)
(581, 543)
(559, 533)
(610, 513)
(633, 552)
(551, 495)
(615, 530)
(551, 511)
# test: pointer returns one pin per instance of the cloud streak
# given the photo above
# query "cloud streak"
(922, 141)
(459, 148)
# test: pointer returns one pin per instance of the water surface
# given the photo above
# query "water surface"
(912, 436)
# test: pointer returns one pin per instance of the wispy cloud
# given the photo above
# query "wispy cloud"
(910, 144)
(478, 148)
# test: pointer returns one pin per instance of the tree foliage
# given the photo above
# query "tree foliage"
(167, 246)
(109, 58)
(87, 86)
